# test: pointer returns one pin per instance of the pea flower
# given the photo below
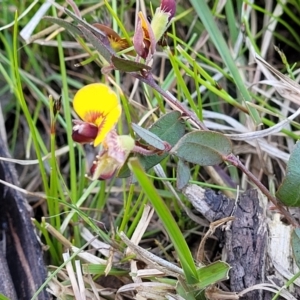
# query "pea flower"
(144, 40)
(98, 107)
(114, 153)
(161, 19)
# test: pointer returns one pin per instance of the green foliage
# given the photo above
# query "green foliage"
(183, 174)
(62, 23)
(169, 128)
(288, 192)
(150, 138)
(126, 65)
(217, 271)
(205, 148)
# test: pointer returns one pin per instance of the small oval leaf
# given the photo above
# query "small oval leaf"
(289, 192)
(168, 128)
(183, 174)
(205, 148)
(149, 137)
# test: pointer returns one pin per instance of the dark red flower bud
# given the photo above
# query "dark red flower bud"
(84, 132)
(168, 6)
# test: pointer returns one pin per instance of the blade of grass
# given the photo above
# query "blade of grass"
(67, 110)
(18, 90)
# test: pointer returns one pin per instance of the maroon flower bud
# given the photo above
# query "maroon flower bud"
(84, 132)
(168, 6)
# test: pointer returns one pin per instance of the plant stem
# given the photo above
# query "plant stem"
(148, 79)
(236, 162)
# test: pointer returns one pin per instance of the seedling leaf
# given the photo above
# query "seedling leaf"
(289, 192)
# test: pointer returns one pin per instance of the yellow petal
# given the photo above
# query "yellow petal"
(107, 124)
(97, 104)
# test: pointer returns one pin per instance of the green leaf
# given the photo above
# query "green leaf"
(296, 245)
(205, 148)
(127, 65)
(169, 128)
(85, 24)
(62, 23)
(289, 192)
(183, 174)
(149, 137)
(96, 37)
(2, 297)
(217, 271)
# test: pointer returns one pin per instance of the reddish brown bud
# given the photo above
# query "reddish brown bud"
(84, 132)
(168, 6)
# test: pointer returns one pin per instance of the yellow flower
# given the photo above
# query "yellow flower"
(99, 109)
